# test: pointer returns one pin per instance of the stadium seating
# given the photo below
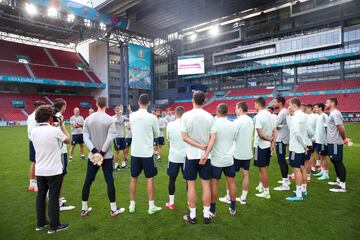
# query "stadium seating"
(13, 69)
(187, 106)
(65, 58)
(328, 85)
(249, 91)
(59, 73)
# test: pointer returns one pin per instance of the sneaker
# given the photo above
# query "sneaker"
(63, 200)
(323, 177)
(123, 164)
(188, 219)
(304, 194)
(260, 189)
(232, 211)
(207, 220)
(40, 228)
(335, 183)
(225, 200)
(158, 158)
(83, 157)
(154, 210)
(131, 209)
(263, 195)
(117, 212)
(282, 188)
(170, 206)
(319, 174)
(338, 189)
(212, 215)
(280, 181)
(59, 228)
(64, 207)
(294, 199)
(70, 159)
(118, 168)
(241, 201)
(86, 212)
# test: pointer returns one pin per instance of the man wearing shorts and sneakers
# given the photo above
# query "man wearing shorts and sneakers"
(177, 154)
(222, 158)
(77, 123)
(31, 124)
(264, 144)
(145, 128)
(119, 140)
(336, 137)
(243, 150)
(196, 132)
(160, 142)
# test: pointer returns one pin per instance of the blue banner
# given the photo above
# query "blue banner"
(139, 67)
(51, 82)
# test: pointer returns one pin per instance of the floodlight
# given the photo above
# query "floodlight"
(214, 30)
(52, 12)
(31, 9)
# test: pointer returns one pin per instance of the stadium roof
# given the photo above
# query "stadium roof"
(174, 15)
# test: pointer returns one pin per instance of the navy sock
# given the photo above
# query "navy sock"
(213, 207)
(232, 205)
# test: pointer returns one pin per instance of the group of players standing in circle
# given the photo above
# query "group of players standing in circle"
(205, 146)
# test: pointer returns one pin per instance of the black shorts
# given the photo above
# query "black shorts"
(64, 161)
(138, 164)
(228, 171)
(321, 149)
(128, 142)
(244, 164)
(296, 160)
(308, 153)
(31, 152)
(161, 141)
(335, 152)
(281, 151)
(192, 168)
(314, 146)
(156, 142)
(262, 157)
(173, 169)
(77, 139)
(119, 144)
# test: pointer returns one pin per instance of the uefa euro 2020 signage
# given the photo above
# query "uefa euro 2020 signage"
(139, 67)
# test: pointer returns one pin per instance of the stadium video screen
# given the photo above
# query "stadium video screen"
(193, 64)
(139, 67)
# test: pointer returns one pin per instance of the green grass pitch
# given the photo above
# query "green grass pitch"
(323, 215)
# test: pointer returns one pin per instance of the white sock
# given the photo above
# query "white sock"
(244, 195)
(82, 155)
(227, 194)
(116, 165)
(313, 168)
(318, 162)
(113, 206)
(337, 179)
(304, 188)
(132, 204)
(151, 204)
(343, 185)
(266, 190)
(193, 213)
(260, 185)
(70, 157)
(84, 205)
(60, 203)
(33, 182)
(326, 172)
(308, 176)
(171, 199)
(298, 191)
(206, 212)
(286, 181)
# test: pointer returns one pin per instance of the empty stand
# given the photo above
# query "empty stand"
(13, 69)
(65, 58)
(328, 85)
(59, 73)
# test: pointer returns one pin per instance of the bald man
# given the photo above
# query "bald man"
(77, 123)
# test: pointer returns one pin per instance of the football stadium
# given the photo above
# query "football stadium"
(191, 119)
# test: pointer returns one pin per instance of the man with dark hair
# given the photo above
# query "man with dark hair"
(321, 141)
(282, 140)
(77, 137)
(49, 167)
(99, 132)
(177, 154)
(31, 124)
(222, 158)
(60, 108)
(297, 147)
(311, 131)
(119, 140)
(145, 129)
(199, 139)
(161, 139)
(336, 137)
(264, 143)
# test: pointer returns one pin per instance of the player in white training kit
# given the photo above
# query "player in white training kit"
(321, 141)
(145, 129)
(264, 144)
(160, 140)
(77, 123)
(177, 154)
(298, 125)
(310, 135)
(119, 140)
(222, 158)
(242, 150)
(196, 132)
